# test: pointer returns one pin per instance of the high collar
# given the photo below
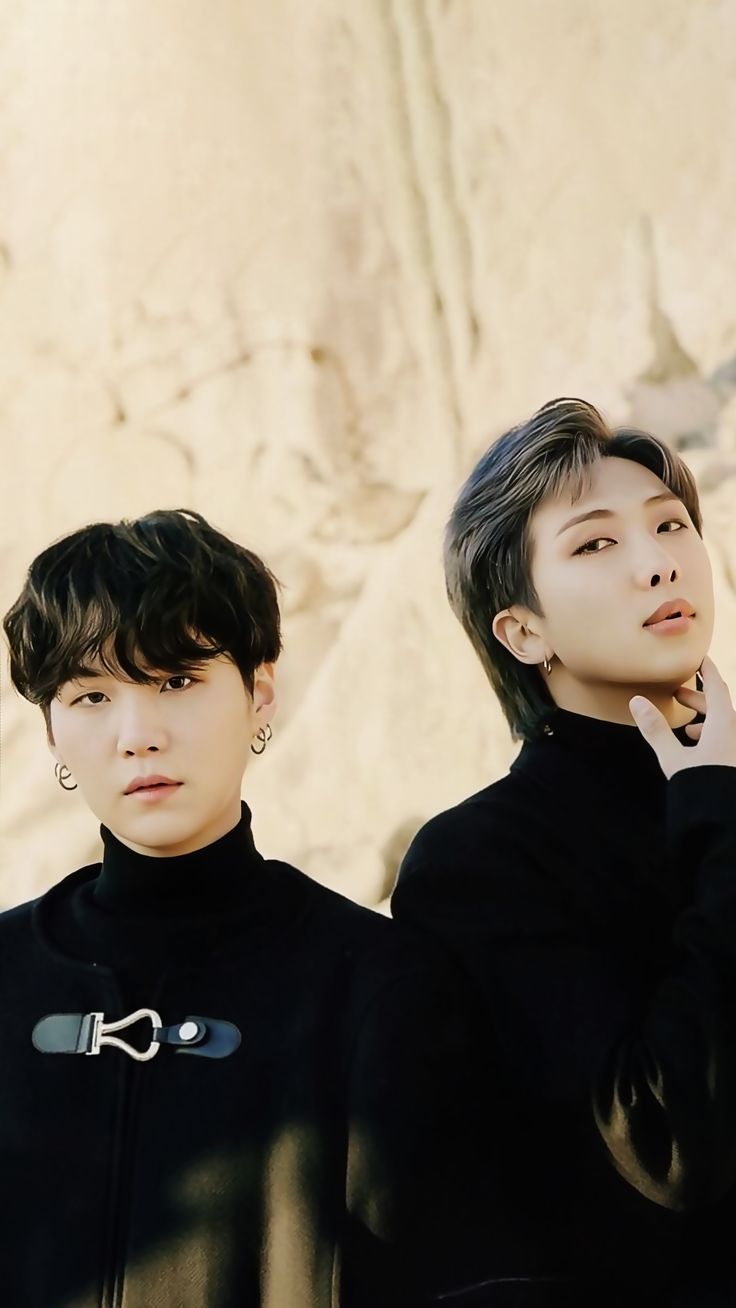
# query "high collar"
(204, 880)
(597, 791)
(580, 730)
(138, 913)
(609, 745)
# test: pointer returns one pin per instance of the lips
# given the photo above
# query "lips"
(140, 783)
(670, 609)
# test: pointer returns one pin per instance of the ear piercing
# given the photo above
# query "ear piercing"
(264, 735)
(59, 771)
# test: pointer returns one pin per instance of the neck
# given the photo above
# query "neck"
(610, 703)
(139, 915)
(202, 879)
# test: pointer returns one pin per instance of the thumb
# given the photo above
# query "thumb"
(657, 732)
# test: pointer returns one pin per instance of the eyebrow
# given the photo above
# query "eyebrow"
(88, 674)
(80, 674)
(608, 513)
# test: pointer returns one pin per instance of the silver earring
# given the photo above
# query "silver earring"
(59, 771)
(264, 735)
(546, 665)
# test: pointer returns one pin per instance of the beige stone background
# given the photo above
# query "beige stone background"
(294, 264)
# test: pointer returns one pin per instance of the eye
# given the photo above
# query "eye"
(673, 522)
(589, 546)
(88, 695)
(585, 548)
(175, 676)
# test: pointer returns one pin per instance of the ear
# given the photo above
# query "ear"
(515, 628)
(264, 693)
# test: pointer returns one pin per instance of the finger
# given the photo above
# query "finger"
(715, 689)
(693, 730)
(657, 732)
(692, 698)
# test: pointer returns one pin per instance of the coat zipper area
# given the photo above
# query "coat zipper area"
(122, 1168)
(123, 1162)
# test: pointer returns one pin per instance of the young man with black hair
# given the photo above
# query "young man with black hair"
(590, 894)
(223, 1085)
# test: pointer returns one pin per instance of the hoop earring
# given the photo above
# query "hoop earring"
(546, 665)
(58, 770)
(264, 735)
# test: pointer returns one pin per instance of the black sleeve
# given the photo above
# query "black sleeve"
(655, 1072)
(413, 1082)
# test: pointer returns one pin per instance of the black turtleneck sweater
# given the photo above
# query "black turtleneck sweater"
(296, 1172)
(139, 915)
(592, 903)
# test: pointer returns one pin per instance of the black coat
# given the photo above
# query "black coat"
(295, 1172)
(593, 906)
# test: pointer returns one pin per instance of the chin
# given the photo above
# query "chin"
(157, 829)
(672, 674)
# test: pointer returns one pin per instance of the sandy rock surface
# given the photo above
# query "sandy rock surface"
(294, 266)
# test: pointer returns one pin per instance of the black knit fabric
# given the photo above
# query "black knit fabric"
(592, 904)
(306, 1170)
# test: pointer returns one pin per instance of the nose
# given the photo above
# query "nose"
(140, 732)
(655, 565)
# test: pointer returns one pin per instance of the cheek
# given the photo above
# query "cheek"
(577, 601)
(706, 570)
(71, 739)
(697, 571)
(583, 620)
(706, 597)
(228, 724)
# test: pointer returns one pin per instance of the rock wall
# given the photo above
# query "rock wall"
(294, 266)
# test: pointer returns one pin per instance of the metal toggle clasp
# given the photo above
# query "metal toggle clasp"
(100, 1034)
(86, 1033)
